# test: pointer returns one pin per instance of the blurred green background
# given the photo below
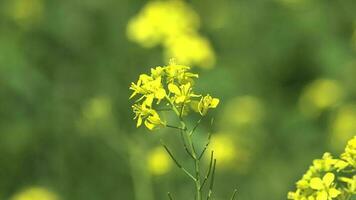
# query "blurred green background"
(285, 73)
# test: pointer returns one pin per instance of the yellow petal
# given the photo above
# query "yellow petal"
(214, 103)
(149, 100)
(328, 179)
(149, 125)
(316, 183)
(173, 88)
(139, 121)
(334, 192)
(160, 94)
(322, 196)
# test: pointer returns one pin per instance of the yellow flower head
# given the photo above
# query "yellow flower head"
(329, 178)
(158, 161)
(207, 102)
(35, 193)
(190, 49)
(173, 25)
(160, 20)
(172, 84)
(320, 95)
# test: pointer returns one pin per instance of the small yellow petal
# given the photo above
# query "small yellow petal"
(322, 196)
(149, 125)
(328, 179)
(214, 103)
(139, 121)
(334, 192)
(160, 94)
(316, 183)
(173, 88)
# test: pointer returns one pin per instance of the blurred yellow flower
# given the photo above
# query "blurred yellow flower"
(97, 108)
(245, 110)
(343, 127)
(190, 49)
(159, 20)
(224, 149)
(26, 11)
(174, 25)
(319, 95)
(159, 162)
(35, 193)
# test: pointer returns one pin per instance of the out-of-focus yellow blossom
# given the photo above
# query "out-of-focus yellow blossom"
(160, 20)
(191, 49)
(158, 161)
(206, 103)
(172, 84)
(26, 11)
(329, 178)
(344, 125)
(245, 110)
(98, 108)
(320, 95)
(35, 193)
(224, 149)
(173, 25)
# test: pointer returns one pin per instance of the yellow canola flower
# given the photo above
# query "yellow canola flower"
(319, 96)
(26, 11)
(206, 103)
(35, 193)
(350, 152)
(172, 84)
(329, 178)
(224, 149)
(150, 116)
(324, 186)
(244, 110)
(98, 108)
(158, 161)
(190, 49)
(343, 126)
(160, 20)
(173, 25)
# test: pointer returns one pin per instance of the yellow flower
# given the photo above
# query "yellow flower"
(244, 111)
(35, 193)
(190, 49)
(182, 94)
(224, 149)
(149, 88)
(158, 161)
(343, 126)
(324, 186)
(179, 73)
(150, 116)
(350, 152)
(159, 20)
(178, 81)
(206, 103)
(320, 95)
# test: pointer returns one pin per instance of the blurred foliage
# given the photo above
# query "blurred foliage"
(66, 123)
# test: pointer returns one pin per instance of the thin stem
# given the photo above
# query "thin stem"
(185, 146)
(177, 163)
(212, 181)
(209, 170)
(174, 127)
(196, 126)
(205, 147)
(233, 195)
(170, 196)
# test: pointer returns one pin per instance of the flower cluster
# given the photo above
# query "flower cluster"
(329, 178)
(174, 25)
(170, 85)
